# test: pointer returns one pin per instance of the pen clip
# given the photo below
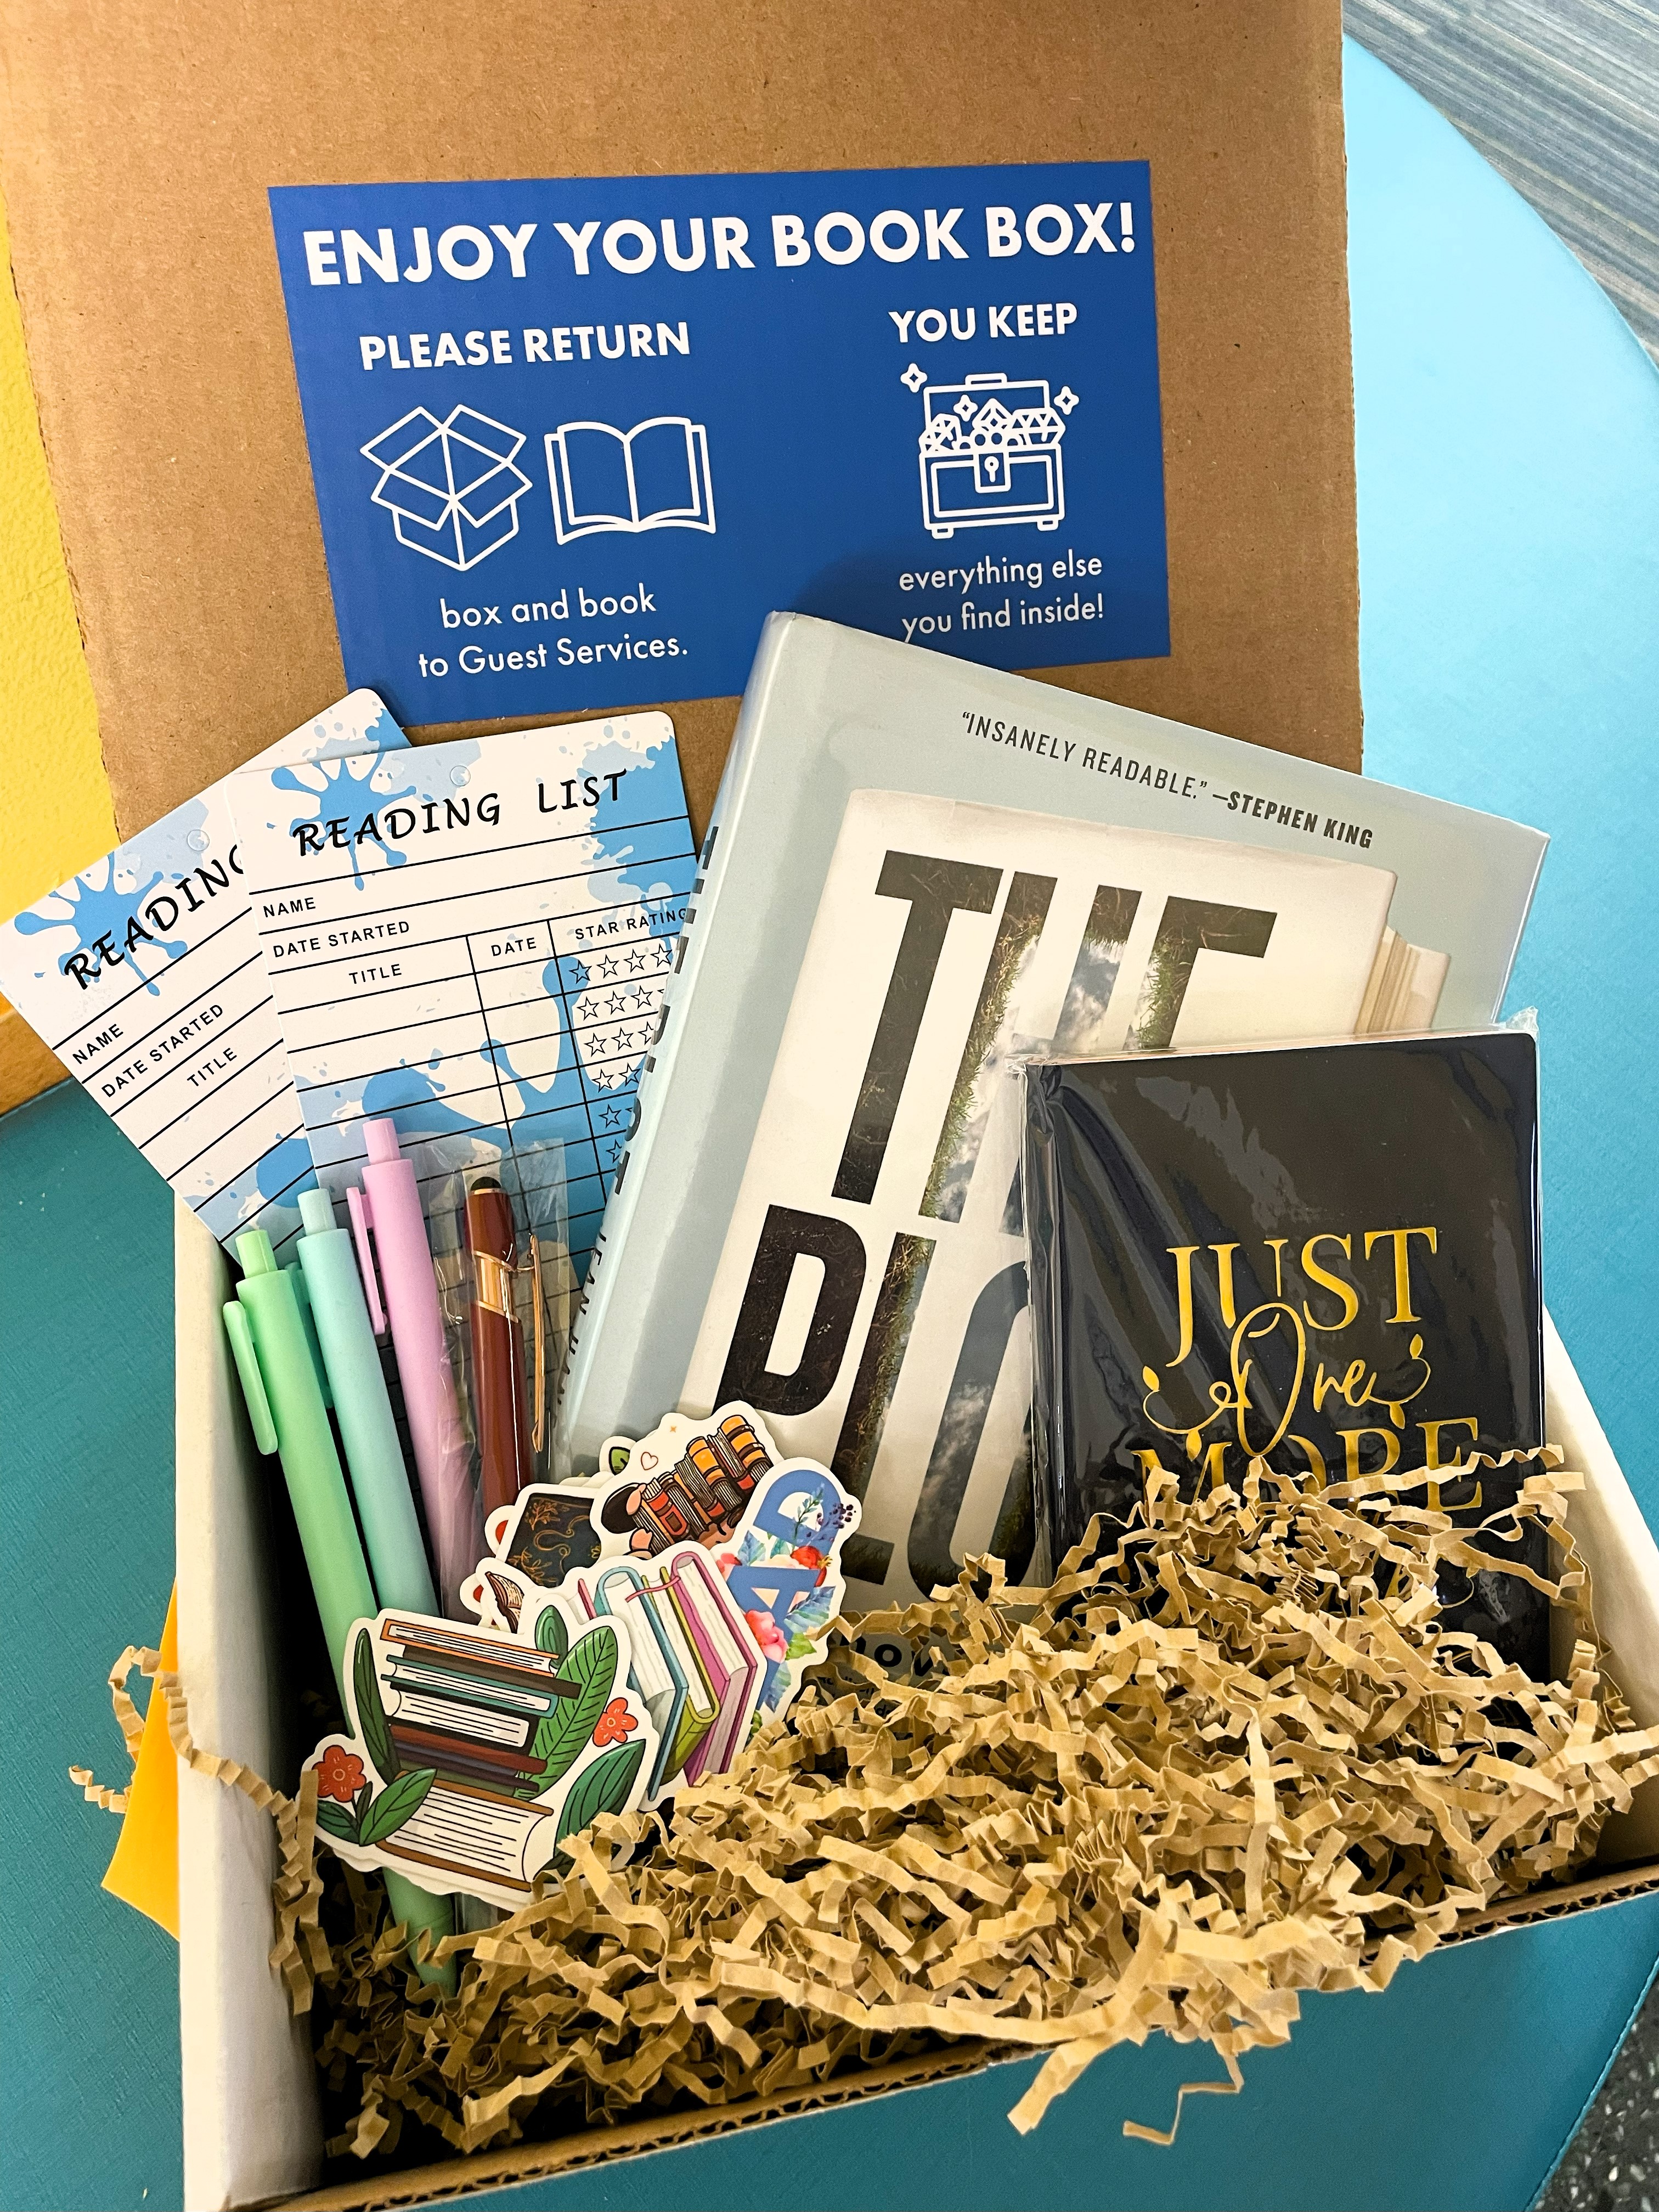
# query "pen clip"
(253, 1382)
(362, 1220)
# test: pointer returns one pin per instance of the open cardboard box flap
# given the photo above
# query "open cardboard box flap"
(136, 163)
(251, 2128)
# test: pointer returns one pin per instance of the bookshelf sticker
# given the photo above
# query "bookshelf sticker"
(573, 439)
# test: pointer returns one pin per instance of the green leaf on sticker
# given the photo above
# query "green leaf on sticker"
(618, 1456)
(603, 1789)
(335, 1820)
(371, 1713)
(591, 1664)
(396, 1805)
(551, 1633)
(799, 1647)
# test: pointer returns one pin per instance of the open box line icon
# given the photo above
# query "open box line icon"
(451, 487)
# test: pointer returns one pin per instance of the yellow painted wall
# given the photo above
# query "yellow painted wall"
(55, 810)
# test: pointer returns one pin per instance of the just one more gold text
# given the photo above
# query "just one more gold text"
(1334, 1387)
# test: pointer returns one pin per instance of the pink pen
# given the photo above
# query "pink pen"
(389, 1205)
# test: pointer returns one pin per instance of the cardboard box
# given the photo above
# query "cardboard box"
(136, 164)
(251, 2130)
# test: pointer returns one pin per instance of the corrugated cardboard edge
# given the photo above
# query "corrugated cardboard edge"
(460, 2177)
(135, 167)
(1608, 1886)
(450, 2178)
(456, 2177)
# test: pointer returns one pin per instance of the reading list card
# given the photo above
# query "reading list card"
(473, 940)
(143, 974)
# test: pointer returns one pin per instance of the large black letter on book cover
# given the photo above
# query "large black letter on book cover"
(1189, 926)
(936, 889)
(979, 1364)
(787, 1236)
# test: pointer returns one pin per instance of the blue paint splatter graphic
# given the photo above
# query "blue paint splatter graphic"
(334, 802)
(95, 912)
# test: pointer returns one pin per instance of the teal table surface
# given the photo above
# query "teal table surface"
(1508, 431)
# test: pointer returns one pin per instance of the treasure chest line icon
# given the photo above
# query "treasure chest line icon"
(989, 452)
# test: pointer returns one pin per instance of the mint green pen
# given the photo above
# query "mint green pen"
(284, 1393)
(351, 1363)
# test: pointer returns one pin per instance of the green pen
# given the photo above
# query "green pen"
(284, 1393)
(351, 1364)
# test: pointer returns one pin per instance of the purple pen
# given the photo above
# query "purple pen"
(389, 1205)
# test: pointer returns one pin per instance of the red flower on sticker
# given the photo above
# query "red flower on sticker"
(616, 1724)
(770, 1638)
(808, 1555)
(339, 1774)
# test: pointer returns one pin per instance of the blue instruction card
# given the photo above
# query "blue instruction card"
(573, 438)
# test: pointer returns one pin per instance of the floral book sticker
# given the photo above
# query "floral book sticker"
(783, 1568)
(474, 1757)
(721, 1560)
(774, 1527)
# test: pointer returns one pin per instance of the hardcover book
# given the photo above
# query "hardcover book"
(1324, 1255)
(918, 872)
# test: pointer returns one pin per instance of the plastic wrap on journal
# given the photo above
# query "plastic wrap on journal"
(1325, 1256)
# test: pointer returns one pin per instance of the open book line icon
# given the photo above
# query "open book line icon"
(654, 477)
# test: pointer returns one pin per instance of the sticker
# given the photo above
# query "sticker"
(775, 1530)
(473, 1758)
(574, 439)
(547, 1532)
(784, 1570)
(685, 1482)
(698, 1668)
(696, 1665)
(725, 1619)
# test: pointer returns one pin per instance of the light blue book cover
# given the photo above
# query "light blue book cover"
(142, 973)
(918, 871)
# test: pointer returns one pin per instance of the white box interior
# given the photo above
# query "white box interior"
(252, 2126)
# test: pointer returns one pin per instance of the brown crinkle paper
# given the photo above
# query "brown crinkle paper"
(1228, 1759)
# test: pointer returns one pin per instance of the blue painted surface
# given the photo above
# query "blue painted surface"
(89, 1990)
(1508, 431)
